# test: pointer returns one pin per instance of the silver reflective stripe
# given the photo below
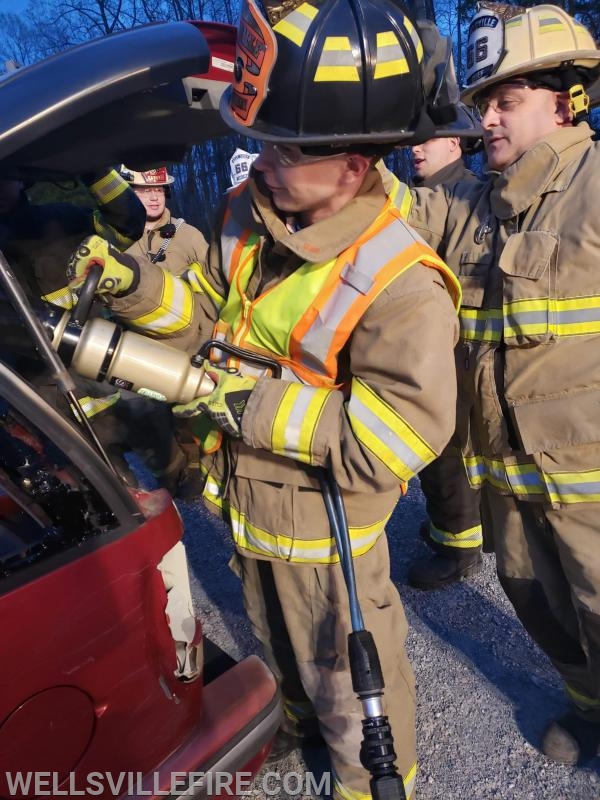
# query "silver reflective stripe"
(296, 24)
(252, 538)
(167, 317)
(229, 240)
(482, 326)
(295, 418)
(416, 40)
(337, 58)
(230, 236)
(385, 434)
(372, 256)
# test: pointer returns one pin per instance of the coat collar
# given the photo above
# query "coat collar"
(329, 237)
(538, 170)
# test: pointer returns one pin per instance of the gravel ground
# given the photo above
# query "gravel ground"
(485, 691)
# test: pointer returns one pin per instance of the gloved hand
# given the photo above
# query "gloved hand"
(120, 271)
(226, 403)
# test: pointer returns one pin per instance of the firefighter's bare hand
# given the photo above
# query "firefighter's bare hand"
(120, 272)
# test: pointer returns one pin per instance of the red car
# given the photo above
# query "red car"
(106, 685)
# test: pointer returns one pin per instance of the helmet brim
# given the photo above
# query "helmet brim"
(585, 58)
(423, 131)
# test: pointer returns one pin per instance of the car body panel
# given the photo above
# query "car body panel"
(138, 96)
(90, 656)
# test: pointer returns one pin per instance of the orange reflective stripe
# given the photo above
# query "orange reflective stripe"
(323, 302)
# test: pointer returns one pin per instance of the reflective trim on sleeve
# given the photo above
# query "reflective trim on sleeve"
(120, 240)
(199, 283)
(94, 405)
(401, 197)
(480, 325)
(63, 298)
(109, 187)
(518, 479)
(296, 421)
(175, 311)
(385, 433)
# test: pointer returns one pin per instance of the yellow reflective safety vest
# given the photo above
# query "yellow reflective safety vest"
(304, 322)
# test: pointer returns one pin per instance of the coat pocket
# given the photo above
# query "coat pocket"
(528, 264)
(562, 435)
(569, 419)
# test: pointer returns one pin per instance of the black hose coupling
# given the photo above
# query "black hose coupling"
(378, 757)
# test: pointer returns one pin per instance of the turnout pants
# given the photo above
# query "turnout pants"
(548, 562)
(300, 614)
(452, 506)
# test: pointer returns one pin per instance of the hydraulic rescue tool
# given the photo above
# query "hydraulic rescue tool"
(101, 350)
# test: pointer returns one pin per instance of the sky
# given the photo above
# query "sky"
(12, 6)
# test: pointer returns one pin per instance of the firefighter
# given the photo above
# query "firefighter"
(175, 245)
(453, 529)
(37, 241)
(313, 265)
(525, 245)
(167, 240)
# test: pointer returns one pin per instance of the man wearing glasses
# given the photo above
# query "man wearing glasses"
(525, 245)
(312, 265)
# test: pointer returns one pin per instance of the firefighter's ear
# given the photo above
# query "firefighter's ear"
(564, 113)
(357, 166)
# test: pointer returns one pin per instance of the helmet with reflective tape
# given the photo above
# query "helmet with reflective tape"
(509, 41)
(327, 72)
(150, 177)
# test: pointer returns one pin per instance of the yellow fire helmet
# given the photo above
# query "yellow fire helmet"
(544, 43)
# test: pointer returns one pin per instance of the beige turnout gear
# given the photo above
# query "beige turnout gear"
(359, 298)
(525, 246)
(273, 501)
(185, 244)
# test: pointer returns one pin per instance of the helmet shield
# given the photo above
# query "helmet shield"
(333, 72)
(149, 177)
(256, 53)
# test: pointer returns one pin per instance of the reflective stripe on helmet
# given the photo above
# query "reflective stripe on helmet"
(295, 26)
(337, 61)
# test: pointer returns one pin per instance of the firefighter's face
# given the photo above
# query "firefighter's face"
(517, 116)
(433, 155)
(311, 188)
(153, 199)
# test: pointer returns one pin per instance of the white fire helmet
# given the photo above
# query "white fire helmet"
(508, 41)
